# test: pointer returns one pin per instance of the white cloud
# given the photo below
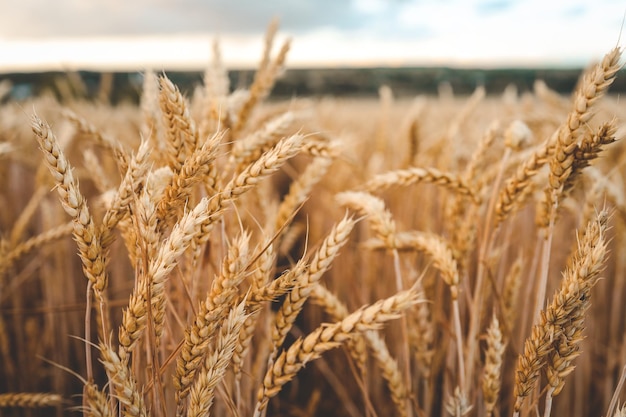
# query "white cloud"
(370, 6)
(379, 32)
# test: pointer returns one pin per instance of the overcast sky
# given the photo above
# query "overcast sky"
(177, 33)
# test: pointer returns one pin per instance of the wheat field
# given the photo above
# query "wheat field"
(220, 254)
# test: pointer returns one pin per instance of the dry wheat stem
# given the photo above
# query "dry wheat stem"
(489, 235)
(544, 265)
(25, 217)
(261, 276)
(615, 398)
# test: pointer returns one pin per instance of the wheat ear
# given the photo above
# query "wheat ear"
(210, 316)
(594, 85)
(149, 107)
(327, 337)
(199, 167)
(267, 164)
(33, 243)
(123, 382)
(203, 390)
(85, 231)
(493, 366)
(29, 399)
(410, 176)
(95, 402)
(214, 97)
(249, 148)
(127, 190)
(181, 133)
(134, 317)
(387, 364)
(321, 262)
(263, 82)
(556, 319)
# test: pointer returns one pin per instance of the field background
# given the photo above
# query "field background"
(426, 180)
(300, 82)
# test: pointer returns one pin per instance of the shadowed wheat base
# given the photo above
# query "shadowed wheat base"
(208, 253)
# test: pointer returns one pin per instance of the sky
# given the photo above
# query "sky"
(177, 34)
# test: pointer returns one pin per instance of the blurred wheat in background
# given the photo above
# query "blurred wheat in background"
(219, 254)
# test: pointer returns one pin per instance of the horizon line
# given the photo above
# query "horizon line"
(193, 53)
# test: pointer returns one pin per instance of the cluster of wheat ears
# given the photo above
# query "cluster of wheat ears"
(232, 256)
